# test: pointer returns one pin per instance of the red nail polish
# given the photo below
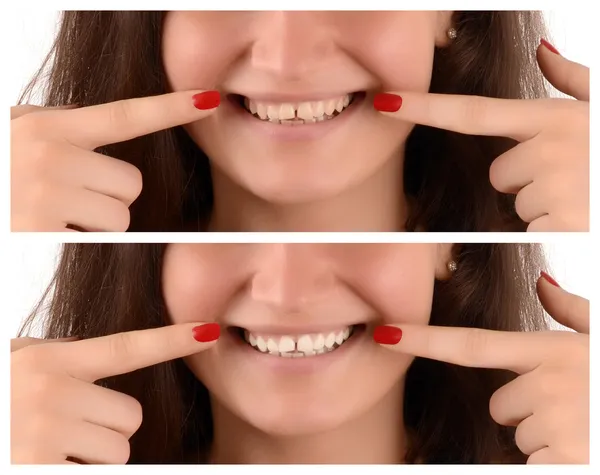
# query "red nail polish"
(207, 332)
(207, 100)
(549, 279)
(385, 102)
(549, 46)
(387, 335)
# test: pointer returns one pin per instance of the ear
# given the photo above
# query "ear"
(443, 24)
(445, 253)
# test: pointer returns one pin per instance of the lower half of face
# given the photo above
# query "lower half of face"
(327, 137)
(296, 355)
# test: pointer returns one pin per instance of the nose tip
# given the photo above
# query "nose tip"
(291, 277)
(291, 44)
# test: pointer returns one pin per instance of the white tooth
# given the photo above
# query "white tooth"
(339, 338)
(330, 340)
(286, 344)
(310, 121)
(318, 342)
(262, 344)
(272, 346)
(252, 107)
(287, 111)
(309, 353)
(320, 352)
(339, 105)
(305, 344)
(252, 339)
(305, 111)
(261, 110)
(330, 106)
(297, 355)
(320, 119)
(286, 355)
(347, 333)
(273, 112)
(318, 108)
(346, 100)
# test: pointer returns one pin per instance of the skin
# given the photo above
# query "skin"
(260, 415)
(262, 184)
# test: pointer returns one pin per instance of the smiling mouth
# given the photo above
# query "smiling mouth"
(298, 113)
(299, 346)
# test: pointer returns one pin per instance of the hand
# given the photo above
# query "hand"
(549, 169)
(56, 410)
(56, 177)
(549, 401)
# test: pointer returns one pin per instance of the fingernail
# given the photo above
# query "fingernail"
(207, 332)
(207, 100)
(549, 46)
(387, 335)
(549, 279)
(385, 102)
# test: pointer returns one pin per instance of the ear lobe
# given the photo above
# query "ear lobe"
(445, 253)
(444, 23)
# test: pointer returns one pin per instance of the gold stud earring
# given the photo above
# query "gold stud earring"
(452, 266)
(452, 33)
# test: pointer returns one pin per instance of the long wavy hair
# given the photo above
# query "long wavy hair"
(105, 56)
(102, 289)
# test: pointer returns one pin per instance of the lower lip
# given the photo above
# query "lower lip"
(290, 133)
(305, 364)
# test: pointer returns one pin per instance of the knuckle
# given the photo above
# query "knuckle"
(119, 451)
(27, 126)
(120, 346)
(134, 181)
(134, 415)
(476, 341)
(29, 358)
(120, 217)
(496, 405)
(119, 113)
(474, 111)
(520, 438)
(521, 205)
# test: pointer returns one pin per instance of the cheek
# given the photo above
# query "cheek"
(195, 285)
(396, 279)
(197, 48)
(398, 48)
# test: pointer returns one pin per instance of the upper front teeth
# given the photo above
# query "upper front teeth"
(301, 345)
(302, 110)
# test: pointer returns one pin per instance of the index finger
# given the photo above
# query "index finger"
(98, 358)
(519, 119)
(104, 124)
(520, 352)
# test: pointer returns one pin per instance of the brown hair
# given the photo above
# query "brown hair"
(101, 289)
(106, 56)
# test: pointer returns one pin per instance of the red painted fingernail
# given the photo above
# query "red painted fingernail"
(549, 46)
(385, 102)
(549, 279)
(207, 100)
(207, 332)
(387, 335)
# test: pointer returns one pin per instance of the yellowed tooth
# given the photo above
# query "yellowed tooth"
(330, 106)
(339, 106)
(273, 112)
(346, 100)
(287, 111)
(305, 111)
(261, 110)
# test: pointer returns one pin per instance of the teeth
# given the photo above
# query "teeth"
(295, 346)
(303, 112)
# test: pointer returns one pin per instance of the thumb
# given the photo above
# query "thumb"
(20, 343)
(24, 109)
(567, 76)
(567, 309)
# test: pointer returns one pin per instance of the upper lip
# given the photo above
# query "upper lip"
(293, 97)
(295, 329)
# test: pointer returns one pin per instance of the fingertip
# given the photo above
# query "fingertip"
(387, 102)
(206, 100)
(544, 276)
(387, 335)
(206, 332)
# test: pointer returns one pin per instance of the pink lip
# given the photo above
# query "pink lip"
(290, 133)
(291, 365)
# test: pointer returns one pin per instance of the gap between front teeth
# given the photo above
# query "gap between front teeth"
(295, 346)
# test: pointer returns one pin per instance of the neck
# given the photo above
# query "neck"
(375, 437)
(376, 204)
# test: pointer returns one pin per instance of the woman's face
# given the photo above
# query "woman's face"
(302, 300)
(304, 65)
